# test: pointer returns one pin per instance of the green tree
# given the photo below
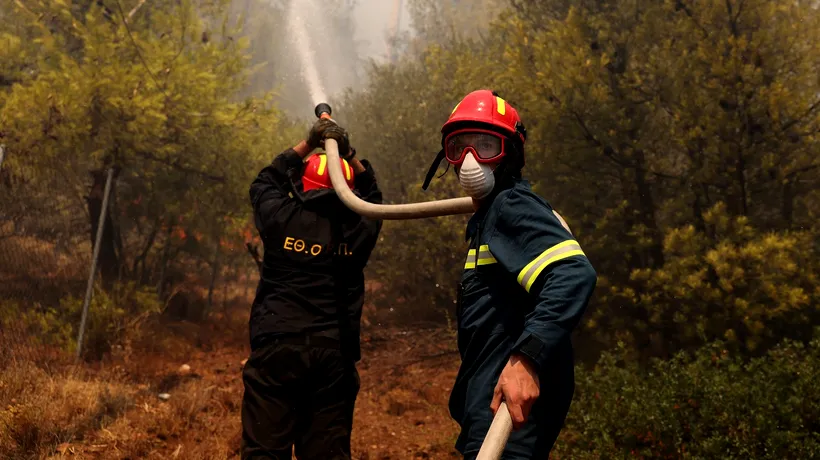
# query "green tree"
(152, 95)
(708, 404)
(642, 116)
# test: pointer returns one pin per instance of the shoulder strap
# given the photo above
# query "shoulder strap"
(337, 238)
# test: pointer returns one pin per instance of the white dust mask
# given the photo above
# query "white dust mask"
(476, 178)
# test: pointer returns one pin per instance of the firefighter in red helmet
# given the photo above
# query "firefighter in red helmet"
(300, 379)
(526, 282)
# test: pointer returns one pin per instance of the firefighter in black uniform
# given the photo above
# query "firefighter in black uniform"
(300, 380)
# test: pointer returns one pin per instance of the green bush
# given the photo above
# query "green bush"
(37, 325)
(418, 265)
(110, 314)
(728, 281)
(710, 404)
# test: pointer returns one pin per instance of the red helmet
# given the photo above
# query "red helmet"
(485, 107)
(484, 110)
(317, 176)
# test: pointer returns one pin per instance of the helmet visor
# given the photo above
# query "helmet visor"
(486, 145)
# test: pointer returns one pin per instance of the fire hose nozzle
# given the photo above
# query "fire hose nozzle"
(322, 109)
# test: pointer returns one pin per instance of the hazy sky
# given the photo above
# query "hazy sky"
(373, 18)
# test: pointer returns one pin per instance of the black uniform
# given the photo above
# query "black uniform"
(300, 380)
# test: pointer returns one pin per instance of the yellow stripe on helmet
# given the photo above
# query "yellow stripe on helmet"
(501, 105)
(322, 165)
(347, 169)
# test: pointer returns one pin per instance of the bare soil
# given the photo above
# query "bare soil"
(111, 409)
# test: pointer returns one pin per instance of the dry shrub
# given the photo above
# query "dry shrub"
(27, 256)
(145, 350)
(38, 411)
(33, 271)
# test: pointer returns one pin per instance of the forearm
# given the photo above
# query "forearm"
(302, 149)
(358, 168)
(366, 181)
(276, 173)
(561, 301)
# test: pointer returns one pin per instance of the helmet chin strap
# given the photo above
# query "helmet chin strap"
(433, 168)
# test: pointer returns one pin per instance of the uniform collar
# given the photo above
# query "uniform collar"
(478, 217)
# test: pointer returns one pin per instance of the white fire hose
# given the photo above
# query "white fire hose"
(421, 210)
(497, 435)
(501, 427)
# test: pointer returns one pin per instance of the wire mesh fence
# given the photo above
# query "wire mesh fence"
(47, 248)
(44, 260)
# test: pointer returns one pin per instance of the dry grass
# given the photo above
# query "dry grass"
(111, 410)
(41, 411)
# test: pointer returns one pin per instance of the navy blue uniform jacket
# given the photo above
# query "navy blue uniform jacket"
(525, 285)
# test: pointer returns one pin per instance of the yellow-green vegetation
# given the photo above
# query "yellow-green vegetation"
(713, 404)
(679, 140)
(84, 90)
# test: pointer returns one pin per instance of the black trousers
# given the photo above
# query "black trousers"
(298, 395)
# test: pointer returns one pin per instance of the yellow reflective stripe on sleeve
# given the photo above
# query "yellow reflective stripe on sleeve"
(322, 164)
(501, 106)
(485, 257)
(530, 273)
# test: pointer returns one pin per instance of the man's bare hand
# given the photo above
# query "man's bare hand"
(519, 387)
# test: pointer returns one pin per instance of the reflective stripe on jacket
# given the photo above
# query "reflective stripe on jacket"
(525, 285)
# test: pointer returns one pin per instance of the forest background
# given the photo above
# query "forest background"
(679, 139)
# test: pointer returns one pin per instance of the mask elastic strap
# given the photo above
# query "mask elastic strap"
(433, 168)
(291, 176)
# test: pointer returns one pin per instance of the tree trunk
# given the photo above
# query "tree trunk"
(740, 177)
(647, 211)
(109, 259)
(787, 205)
(214, 276)
(163, 261)
(139, 271)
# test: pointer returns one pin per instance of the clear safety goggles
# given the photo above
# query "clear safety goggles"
(486, 146)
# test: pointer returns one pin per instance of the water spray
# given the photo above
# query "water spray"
(305, 51)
